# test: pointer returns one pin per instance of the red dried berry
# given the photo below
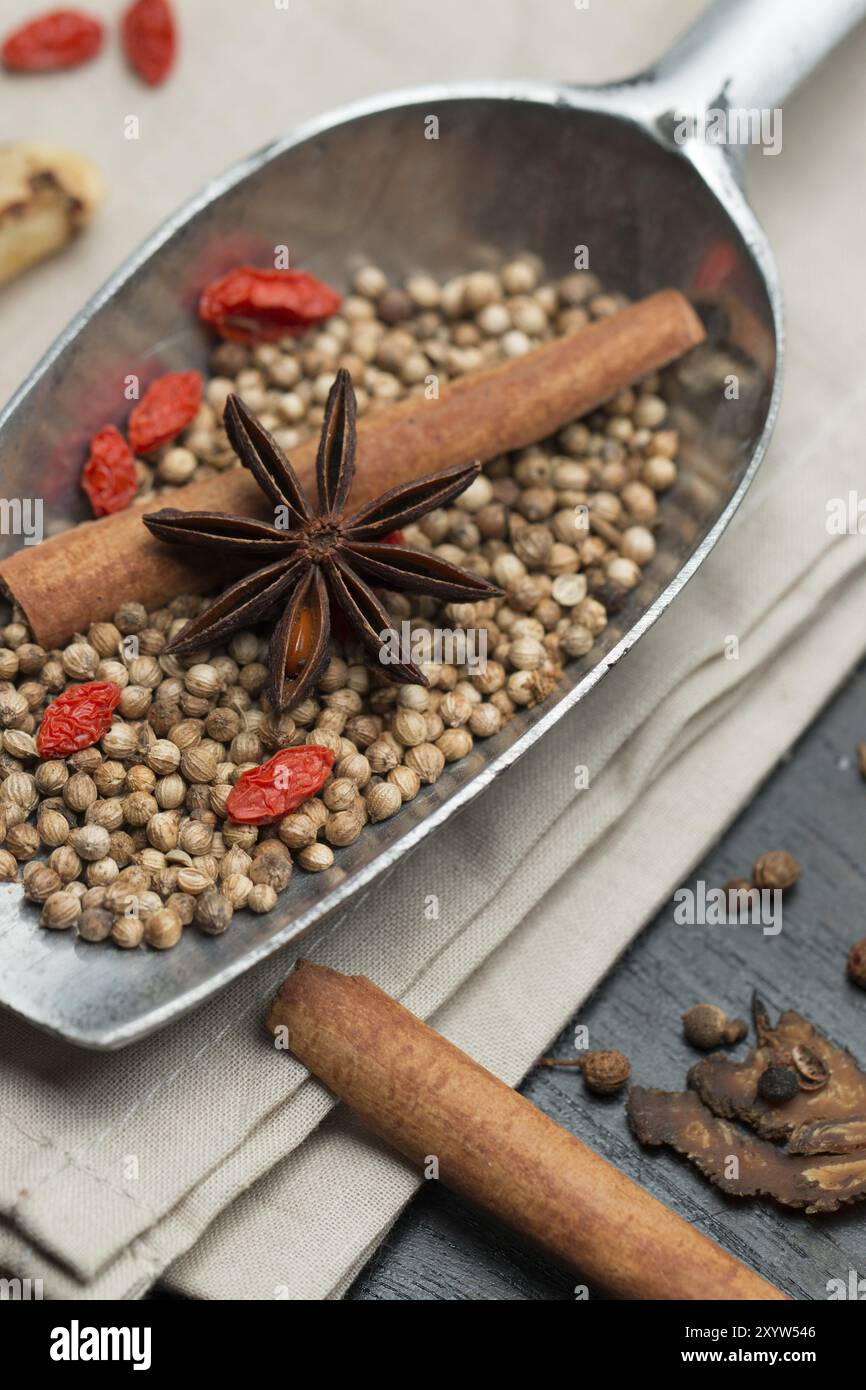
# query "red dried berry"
(109, 476)
(250, 305)
(59, 39)
(280, 785)
(150, 39)
(77, 719)
(166, 408)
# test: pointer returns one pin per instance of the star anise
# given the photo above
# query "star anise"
(316, 560)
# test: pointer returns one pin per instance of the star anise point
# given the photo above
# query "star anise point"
(323, 557)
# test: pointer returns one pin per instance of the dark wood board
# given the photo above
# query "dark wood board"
(814, 805)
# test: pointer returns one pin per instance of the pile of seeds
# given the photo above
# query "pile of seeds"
(129, 839)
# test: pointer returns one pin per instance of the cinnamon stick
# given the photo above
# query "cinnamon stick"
(84, 574)
(430, 1100)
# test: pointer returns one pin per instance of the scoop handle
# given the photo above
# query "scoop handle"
(752, 53)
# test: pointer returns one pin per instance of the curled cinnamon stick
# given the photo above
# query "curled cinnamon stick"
(84, 574)
(431, 1101)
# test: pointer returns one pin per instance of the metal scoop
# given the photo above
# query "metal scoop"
(628, 171)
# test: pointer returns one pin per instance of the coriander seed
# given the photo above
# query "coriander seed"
(163, 929)
(23, 841)
(127, 931)
(262, 898)
(95, 924)
(60, 911)
(273, 869)
(40, 884)
(343, 828)
(90, 842)
(316, 857)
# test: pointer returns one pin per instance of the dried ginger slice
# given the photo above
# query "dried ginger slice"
(680, 1121)
(730, 1088)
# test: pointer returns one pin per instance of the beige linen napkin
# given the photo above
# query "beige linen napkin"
(203, 1141)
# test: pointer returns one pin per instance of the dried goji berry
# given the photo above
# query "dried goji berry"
(77, 719)
(166, 408)
(109, 476)
(251, 305)
(265, 793)
(59, 39)
(150, 39)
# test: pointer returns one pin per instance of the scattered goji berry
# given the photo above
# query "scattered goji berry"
(109, 476)
(166, 408)
(58, 39)
(266, 793)
(77, 719)
(250, 305)
(150, 39)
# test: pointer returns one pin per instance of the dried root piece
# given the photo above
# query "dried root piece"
(46, 195)
(832, 1086)
(740, 1163)
(829, 1136)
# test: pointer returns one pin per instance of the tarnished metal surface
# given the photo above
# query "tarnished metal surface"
(516, 166)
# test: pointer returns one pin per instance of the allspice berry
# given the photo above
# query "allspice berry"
(777, 1084)
(605, 1072)
(706, 1026)
(776, 869)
